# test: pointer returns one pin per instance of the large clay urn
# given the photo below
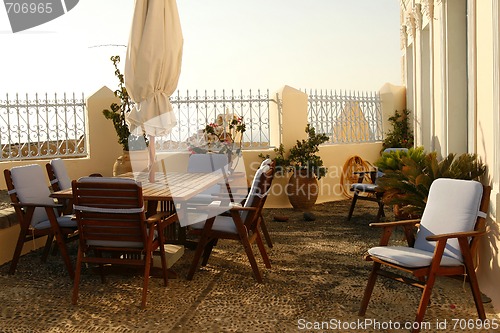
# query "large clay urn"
(302, 189)
(135, 160)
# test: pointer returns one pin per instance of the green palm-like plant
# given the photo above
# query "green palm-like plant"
(408, 186)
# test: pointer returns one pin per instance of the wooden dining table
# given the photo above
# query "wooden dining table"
(167, 193)
(168, 186)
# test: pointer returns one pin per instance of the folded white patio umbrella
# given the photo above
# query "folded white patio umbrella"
(152, 69)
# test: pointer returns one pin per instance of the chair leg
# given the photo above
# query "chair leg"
(78, 271)
(18, 250)
(262, 250)
(208, 251)
(147, 269)
(380, 211)
(60, 241)
(353, 204)
(474, 286)
(251, 258)
(64, 254)
(265, 232)
(369, 288)
(424, 300)
(163, 258)
(46, 249)
(197, 255)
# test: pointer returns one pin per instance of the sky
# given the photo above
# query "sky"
(228, 44)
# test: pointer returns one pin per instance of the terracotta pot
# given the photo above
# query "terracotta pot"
(302, 189)
(136, 160)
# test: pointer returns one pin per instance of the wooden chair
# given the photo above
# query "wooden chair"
(113, 227)
(237, 197)
(59, 180)
(445, 243)
(242, 225)
(37, 213)
(369, 191)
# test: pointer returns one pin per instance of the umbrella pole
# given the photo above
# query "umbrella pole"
(152, 157)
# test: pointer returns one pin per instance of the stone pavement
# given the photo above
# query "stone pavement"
(318, 277)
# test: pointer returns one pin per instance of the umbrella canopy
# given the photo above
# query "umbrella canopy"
(153, 66)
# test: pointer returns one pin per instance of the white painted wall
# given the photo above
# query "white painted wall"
(460, 63)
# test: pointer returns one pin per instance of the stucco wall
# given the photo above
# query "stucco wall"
(462, 54)
(104, 150)
(487, 147)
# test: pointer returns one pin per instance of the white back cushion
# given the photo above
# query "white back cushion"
(267, 161)
(61, 173)
(114, 180)
(30, 184)
(206, 162)
(254, 189)
(452, 206)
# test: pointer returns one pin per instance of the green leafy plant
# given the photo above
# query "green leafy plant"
(401, 135)
(118, 112)
(303, 155)
(408, 184)
(393, 160)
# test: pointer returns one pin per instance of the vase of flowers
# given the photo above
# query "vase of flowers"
(223, 136)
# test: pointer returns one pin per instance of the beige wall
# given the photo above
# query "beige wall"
(104, 150)
(458, 123)
(487, 143)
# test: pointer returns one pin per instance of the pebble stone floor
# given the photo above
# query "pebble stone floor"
(317, 276)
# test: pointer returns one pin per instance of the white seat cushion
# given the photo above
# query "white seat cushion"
(61, 173)
(114, 180)
(446, 213)
(364, 187)
(65, 221)
(30, 184)
(409, 257)
(267, 161)
(221, 223)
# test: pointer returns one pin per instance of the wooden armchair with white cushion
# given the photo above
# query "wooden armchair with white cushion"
(445, 242)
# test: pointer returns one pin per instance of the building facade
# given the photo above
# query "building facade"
(450, 52)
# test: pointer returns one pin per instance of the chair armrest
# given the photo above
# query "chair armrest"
(464, 234)
(226, 195)
(362, 174)
(395, 223)
(158, 216)
(388, 227)
(219, 209)
(32, 204)
(161, 220)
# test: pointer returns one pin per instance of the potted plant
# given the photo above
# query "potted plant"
(117, 116)
(401, 135)
(305, 166)
(408, 177)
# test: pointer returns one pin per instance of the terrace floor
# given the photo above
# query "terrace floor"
(318, 275)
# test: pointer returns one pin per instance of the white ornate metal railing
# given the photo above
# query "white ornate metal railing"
(40, 127)
(194, 112)
(346, 117)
